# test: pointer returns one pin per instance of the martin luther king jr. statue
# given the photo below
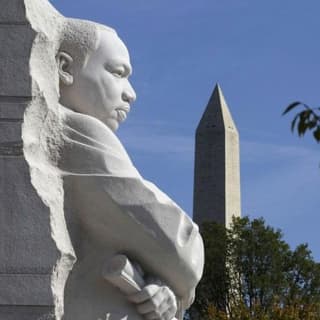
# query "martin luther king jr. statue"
(135, 253)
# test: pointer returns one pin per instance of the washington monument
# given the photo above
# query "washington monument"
(217, 166)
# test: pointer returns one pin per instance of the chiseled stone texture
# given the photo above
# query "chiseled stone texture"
(15, 43)
(26, 313)
(69, 187)
(26, 246)
(9, 295)
(27, 251)
(12, 11)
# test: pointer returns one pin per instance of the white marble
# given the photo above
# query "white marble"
(100, 205)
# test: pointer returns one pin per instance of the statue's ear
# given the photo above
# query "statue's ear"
(65, 64)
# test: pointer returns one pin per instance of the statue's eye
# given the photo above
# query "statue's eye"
(118, 73)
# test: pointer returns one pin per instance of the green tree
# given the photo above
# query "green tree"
(215, 271)
(306, 120)
(251, 273)
(303, 278)
(260, 260)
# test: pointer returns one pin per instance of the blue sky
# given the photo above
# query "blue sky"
(264, 54)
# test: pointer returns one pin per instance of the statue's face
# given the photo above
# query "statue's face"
(101, 88)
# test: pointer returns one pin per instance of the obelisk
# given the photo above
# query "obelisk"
(217, 164)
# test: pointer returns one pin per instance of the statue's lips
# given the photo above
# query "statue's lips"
(122, 112)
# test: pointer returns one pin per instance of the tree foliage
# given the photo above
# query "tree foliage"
(306, 120)
(251, 273)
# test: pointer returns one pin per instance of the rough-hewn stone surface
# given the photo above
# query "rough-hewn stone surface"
(68, 188)
(26, 313)
(12, 11)
(34, 289)
(15, 43)
(26, 245)
(27, 251)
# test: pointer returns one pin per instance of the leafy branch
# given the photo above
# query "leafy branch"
(307, 119)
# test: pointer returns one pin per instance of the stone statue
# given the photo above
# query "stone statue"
(104, 214)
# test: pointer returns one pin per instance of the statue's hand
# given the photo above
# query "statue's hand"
(155, 302)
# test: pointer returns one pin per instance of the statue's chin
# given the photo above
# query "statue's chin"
(112, 124)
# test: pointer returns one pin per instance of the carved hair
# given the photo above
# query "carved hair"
(79, 38)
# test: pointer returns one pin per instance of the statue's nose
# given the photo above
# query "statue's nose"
(129, 94)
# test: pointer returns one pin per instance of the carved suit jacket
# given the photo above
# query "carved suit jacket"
(124, 212)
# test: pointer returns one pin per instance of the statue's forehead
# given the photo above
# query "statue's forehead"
(105, 27)
(112, 43)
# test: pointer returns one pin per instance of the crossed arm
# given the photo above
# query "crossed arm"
(167, 244)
